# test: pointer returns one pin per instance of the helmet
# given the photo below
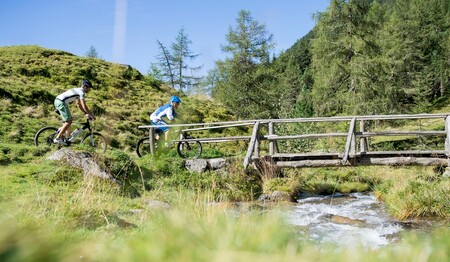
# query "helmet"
(175, 99)
(86, 83)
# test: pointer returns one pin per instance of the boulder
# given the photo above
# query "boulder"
(217, 163)
(82, 160)
(196, 165)
(276, 196)
(202, 165)
(156, 204)
(344, 220)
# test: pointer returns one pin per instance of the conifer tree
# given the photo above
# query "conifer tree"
(414, 48)
(245, 78)
(173, 64)
(92, 52)
(343, 58)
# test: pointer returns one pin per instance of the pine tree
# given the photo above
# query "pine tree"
(92, 52)
(173, 64)
(344, 54)
(181, 54)
(245, 79)
(414, 47)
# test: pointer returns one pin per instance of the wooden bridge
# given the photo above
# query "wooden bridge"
(349, 144)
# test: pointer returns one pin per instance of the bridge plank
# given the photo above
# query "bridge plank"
(365, 161)
(404, 153)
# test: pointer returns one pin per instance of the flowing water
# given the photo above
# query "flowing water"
(352, 220)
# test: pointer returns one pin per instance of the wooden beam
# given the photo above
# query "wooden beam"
(305, 155)
(312, 119)
(402, 133)
(350, 138)
(151, 136)
(406, 153)
(367, 161)
(402, 161)
(275, 137)
(214, 139)
(251, 145)
(271, 142)
(447, 138)
(216, 127)
(362, 140)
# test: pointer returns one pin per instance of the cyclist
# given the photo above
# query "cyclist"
(168, 111)
(77, 94)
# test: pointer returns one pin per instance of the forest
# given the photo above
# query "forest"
(363, 57)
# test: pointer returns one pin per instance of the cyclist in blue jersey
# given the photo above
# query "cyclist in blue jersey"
(168, 111)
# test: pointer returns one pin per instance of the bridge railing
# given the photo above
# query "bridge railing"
(356, 139)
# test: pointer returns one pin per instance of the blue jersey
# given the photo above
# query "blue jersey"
(164, 111)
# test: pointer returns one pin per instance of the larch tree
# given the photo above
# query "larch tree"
(245, 78)
(173, 64)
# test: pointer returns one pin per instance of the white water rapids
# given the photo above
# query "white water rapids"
(353, 220)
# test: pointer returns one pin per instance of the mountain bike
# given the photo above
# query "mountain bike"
(185, 149)
(45, 136)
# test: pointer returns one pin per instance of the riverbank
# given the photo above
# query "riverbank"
(164, 213)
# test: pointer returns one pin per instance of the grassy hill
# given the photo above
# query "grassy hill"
(31, 77)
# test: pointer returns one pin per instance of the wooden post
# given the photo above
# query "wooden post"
(251, 145)
(350, 138)
(271, 143)
(362, 140)
(447, 137)
(353, 141)
(151, 137)
(257, 142)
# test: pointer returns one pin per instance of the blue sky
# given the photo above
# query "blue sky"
(126, 31)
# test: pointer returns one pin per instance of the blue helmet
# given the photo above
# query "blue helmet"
(175, 99)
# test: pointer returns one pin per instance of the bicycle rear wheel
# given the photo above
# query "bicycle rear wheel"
(189, 149)
(96, 140)
(45, 136)
(143, 147)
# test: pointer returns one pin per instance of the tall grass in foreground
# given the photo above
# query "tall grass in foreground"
(192, 229)
(50, 212)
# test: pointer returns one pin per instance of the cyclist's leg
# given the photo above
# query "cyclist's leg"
(166, 134)
(66, 116)
(161, 127)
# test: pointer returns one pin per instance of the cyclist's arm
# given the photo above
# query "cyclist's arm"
(83, 107)
(170, 114)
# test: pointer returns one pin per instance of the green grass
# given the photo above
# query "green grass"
(64, 219)
(122, 98)
(51, 212)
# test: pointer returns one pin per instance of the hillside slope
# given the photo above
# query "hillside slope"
(31, 77)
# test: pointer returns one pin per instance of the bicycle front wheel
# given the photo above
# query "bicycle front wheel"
(95, 140)
(191, 149)
(45, 136)
(143, 147)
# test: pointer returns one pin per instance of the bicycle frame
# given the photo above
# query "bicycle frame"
(85, 126)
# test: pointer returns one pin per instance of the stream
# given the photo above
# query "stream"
(351, 220)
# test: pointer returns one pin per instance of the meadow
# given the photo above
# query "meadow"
(50, 211)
